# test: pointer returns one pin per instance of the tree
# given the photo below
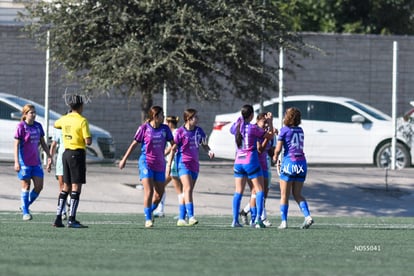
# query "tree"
(197, 48)
(350, 16)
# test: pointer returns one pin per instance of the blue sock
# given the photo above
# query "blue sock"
(153, 207)
(284, 211)
(182, 211)
(190, 209)
(25, 202)
(32, 196)
(304, 207)
(236, 206)
(259, 204)
(148, 213)
(253, 213)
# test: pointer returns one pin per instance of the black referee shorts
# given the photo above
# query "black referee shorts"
(74, 166)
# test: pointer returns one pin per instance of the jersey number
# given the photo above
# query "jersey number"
(297, 140)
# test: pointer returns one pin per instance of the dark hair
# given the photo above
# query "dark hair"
(154, 112)
(189, 114)
(75, 102)
(260, 116)
(172, 119)
(246, 112)
(293, 117)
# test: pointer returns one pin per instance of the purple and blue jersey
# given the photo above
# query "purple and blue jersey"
(293, 141)
(294, 166)
(247, 153)
(188, 143)
(153, 142)
(29, 136)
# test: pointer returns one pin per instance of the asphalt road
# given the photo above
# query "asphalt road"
(330, 191)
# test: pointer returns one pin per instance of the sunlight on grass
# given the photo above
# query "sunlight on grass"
(118, 244)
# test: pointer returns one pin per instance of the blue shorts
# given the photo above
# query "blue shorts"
(182, 170)
(146, 172)
(247, 170)
(293, 170)
(27, 172)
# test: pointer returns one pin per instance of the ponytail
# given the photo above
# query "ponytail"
(246, 112)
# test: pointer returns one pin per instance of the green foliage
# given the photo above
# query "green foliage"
(198, 48)
(351, 16)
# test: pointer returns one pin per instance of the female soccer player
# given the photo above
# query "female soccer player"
(265, 121)
(172, 122)
(29, 133)
(153, 136)
(246, 164)
(57, 147)
(293, 168)
(188, 139)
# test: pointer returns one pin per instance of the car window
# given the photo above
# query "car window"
(40, 110)
(370, 111)
(303, 106)
(331, 112)
(274, 108)
(6, 110)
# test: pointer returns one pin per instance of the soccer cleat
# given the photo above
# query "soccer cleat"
(267, 223)
(27, 217)
(283, 225)
(64, 216)
(58, 223)
(76, 224)
(181, 222)
(243, 217)
(307, 223)
(192, 221)
(149, 224)
(260, 224)
(236, 224)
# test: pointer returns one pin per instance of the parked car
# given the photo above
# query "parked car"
(337, 130)
(102, 148)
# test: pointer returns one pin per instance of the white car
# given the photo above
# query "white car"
(102, 148)
(337, 130)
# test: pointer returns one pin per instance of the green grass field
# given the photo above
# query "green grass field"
(118, 244)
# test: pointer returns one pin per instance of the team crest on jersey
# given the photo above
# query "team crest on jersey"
(199, 138)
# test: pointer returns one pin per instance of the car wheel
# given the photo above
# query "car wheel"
(383, 156)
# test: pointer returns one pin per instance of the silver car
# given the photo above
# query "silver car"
(102, 148)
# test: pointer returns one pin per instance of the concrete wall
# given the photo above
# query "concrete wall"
(355, 66)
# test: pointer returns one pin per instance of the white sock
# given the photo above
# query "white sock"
(264, 215)
(246, 208)
(161, 205)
